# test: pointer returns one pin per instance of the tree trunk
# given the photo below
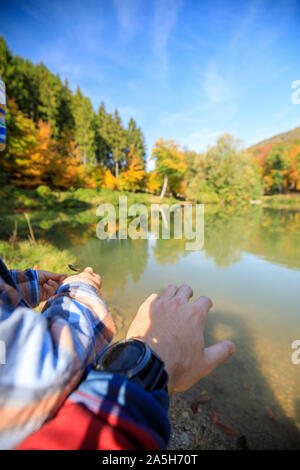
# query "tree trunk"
(117, 169)
(164, 188)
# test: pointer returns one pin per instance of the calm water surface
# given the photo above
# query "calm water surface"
(250, 267)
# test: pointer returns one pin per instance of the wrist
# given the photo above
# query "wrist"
(161, 350)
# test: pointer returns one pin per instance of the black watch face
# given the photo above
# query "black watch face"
(123, 356)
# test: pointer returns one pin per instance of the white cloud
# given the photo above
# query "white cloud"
(217, 85)
(165, 18)
(200, 140)
(128, 13)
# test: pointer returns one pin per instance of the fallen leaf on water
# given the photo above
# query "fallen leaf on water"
(272, 416)
(226, 429)
(222, 426)
(217, 377)
(194, 407)
(246, 386)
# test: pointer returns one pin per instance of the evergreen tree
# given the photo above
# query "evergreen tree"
(118, 142)
(84, 127)
(136, 140)
(103, 149)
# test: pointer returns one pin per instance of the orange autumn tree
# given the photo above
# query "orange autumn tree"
(52, 163)
(39, 166)
(65, 168)
(292, 173)
(35, 158)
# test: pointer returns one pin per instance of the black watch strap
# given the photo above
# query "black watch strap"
(154, 376)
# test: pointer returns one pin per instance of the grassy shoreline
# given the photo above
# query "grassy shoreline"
(282, 201)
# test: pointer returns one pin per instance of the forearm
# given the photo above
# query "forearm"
(109, 412)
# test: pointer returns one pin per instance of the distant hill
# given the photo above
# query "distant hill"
(283, 138)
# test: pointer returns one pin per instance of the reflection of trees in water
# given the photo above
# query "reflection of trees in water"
(168, 251)
(227, 232)
(115, 260)
(277, 237)
(269, 233)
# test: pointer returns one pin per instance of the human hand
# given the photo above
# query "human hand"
(174, 329)
(48, 283)
(88, 276)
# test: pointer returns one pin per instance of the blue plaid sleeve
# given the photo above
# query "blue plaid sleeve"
(46, 354)
(27, 284)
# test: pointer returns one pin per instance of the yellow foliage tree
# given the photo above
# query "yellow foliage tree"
(110, 181)
(170, 161)
(154, 182)
(133, 178)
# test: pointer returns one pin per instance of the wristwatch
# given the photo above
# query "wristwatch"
(136, 361)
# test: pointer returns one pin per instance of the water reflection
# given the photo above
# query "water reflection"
(271, 234)
(118, 259)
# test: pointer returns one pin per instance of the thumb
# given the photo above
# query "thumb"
(217, 354)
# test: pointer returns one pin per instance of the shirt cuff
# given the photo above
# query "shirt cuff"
(27, 283)
(111, 395)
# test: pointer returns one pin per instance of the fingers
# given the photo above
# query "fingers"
(217, 354)
(185, 292)
(202, 306)
(54, 285)
(169, 292)
(51, 287)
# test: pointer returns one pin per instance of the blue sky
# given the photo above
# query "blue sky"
(184, 69)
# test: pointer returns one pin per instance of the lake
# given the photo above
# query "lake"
(250, 267)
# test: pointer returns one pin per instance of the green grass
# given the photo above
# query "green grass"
(13, 198)
(25, 254)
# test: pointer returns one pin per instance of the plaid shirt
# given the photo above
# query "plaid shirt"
(47, 356)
